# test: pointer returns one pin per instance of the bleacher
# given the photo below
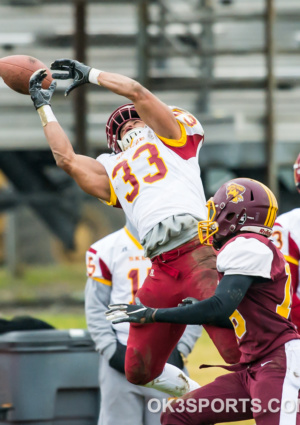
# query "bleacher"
(207, 57)
(237, 75)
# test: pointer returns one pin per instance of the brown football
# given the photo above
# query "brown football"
(16, 71)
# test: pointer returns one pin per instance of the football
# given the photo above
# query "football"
(16, 71)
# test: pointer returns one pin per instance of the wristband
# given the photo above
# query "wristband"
(93, 76)
(46, 114)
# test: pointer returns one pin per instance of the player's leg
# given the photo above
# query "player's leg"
(275, 384)
(223, 400)
(173, 381)
(201, 284)
(121, 402)
(148, 349)
(149, 346)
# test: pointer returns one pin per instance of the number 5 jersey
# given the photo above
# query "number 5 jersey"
(262, 320)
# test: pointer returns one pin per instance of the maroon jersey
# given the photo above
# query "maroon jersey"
(261, 320)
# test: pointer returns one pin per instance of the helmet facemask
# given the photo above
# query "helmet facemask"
(207, 228)
(128, 138)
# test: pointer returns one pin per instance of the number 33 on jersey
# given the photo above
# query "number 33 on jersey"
(157, 177)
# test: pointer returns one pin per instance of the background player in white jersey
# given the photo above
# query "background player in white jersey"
(155, 175)
(286, 236)
(116, 267)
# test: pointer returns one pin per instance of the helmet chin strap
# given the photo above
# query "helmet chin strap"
(128, 138)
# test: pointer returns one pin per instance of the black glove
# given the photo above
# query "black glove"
(117, 361)
(138, 313)
(73, 70)
(39, 96)
(188, 301)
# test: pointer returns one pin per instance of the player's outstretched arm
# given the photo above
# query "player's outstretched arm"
(88, 173)
(215, 310)
(156, 114)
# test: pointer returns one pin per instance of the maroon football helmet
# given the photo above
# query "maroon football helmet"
(297, 173)
(117, 119)
(239, 205)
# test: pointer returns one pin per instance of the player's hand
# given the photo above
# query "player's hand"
(117, 361)
(74, 70)
(39, 96)
(119, 313)
(188, 301)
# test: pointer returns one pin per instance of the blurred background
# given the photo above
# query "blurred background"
(235, 64)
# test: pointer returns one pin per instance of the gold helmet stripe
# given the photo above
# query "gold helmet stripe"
(273, 207)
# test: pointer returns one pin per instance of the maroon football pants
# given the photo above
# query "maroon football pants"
(266, 390)
(188, 271)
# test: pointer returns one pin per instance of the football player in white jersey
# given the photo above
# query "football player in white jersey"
(286, 237)
(116, 268)
(154, 175)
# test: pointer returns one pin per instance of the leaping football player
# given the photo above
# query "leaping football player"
(255, 294)
(154, 174)
(116, 268)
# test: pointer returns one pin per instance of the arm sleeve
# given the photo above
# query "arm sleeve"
(213, 311)
(97, 298)
(245, 256)
(189, 339)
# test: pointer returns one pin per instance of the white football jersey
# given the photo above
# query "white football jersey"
(245, 256)
(118, 261)
(286, 236)
(156, 177)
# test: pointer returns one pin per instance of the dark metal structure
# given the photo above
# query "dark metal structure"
(176, 50)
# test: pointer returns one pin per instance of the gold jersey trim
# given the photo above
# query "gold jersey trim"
(291, 260)
(104, 281)
(173, 142)
(134, 240)
(113, 197)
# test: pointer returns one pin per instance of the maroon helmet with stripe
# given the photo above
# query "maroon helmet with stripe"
(297, 173)
(117, 119)
(239, 205)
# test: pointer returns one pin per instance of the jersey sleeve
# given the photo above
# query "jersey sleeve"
(284, 241)
(97, 298)
(246, 257)
(192, 135)
(98, 268)
(114, 201)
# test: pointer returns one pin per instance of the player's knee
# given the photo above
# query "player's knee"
(137, 376)
(137, 371)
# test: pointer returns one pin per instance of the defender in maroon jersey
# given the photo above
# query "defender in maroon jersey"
(254, 295)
